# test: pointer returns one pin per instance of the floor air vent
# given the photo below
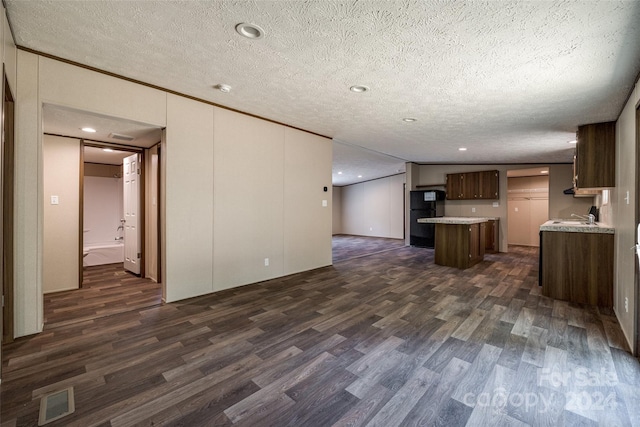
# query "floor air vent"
(56, 405)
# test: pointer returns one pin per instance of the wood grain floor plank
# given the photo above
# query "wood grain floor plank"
(384, 336)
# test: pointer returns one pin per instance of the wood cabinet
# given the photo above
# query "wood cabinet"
(492, 236)
(473, 185)
(577, 267)
(459, 245)
(455, 186)
(595, 159)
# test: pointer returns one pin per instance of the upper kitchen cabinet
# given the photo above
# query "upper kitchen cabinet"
(488, 185)
(473, 185)
(455, 186)
(596, 156)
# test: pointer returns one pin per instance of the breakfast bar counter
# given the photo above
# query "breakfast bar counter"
(459, 241)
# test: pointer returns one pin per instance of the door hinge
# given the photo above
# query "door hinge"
(138, 171)
(3, 300)
(139, 255)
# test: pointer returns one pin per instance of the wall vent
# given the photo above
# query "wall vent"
(121, 137)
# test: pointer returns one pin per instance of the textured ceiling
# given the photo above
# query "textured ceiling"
(509, 80)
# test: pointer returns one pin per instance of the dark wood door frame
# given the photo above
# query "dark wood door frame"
(8, 185)
(133, 150)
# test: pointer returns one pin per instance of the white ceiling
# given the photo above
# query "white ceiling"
(65, 121)
(509, 80)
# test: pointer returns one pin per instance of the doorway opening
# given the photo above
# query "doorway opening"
(7, 188)
(527, 205)
(111, 207)
(101, 208)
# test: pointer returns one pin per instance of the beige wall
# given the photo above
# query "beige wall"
(624, 216)
(266, 202)
(189, 198)
(336, 214)
(527, 207)
(374, 208)
(561, 205)
(105, 171)
(151, 213)
(308, 160)
(61, 173)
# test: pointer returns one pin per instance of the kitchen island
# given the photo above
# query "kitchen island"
(459, 241)
(576, 262)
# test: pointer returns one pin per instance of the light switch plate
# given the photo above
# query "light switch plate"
(324, 204)
(54, 200)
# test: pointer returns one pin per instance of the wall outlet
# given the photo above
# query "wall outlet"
(473, 209)
(54, 200)
(266, 262)
(626, 304)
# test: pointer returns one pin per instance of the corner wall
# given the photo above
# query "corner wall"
(336, 226)
(233, 195)
(374, 208)
(624, 217)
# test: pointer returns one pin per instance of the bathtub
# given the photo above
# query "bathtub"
(103, 253)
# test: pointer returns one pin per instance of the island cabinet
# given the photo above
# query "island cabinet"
(459, 245)
(595, 158)
(473, 185)
(492, 236)
(577, 267)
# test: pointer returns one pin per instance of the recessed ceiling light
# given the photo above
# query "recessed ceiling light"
(359, 176)
(359, 88)
(339, 173)
(223, 88)
(572, 142)
(90, 130)
(462, 149)
(409, 120)
(250, 31)
(108, 150)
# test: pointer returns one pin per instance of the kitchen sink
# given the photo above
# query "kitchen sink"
(572, 222)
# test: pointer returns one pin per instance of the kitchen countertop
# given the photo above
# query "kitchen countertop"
(455, 220)
(576, 227)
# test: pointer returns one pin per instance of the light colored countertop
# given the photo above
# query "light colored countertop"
(455, 220)
(576, 227)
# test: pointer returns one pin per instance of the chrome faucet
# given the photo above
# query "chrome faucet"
(591, 218)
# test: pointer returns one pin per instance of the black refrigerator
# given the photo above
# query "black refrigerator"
(424, 204)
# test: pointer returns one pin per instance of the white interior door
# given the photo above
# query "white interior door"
(131, 205)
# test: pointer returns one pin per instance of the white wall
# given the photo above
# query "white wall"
(624, 217)
(226, 177)
(102, 209)
(374, 208)
(61, 173)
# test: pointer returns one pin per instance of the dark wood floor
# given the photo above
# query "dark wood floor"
(387, 339)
